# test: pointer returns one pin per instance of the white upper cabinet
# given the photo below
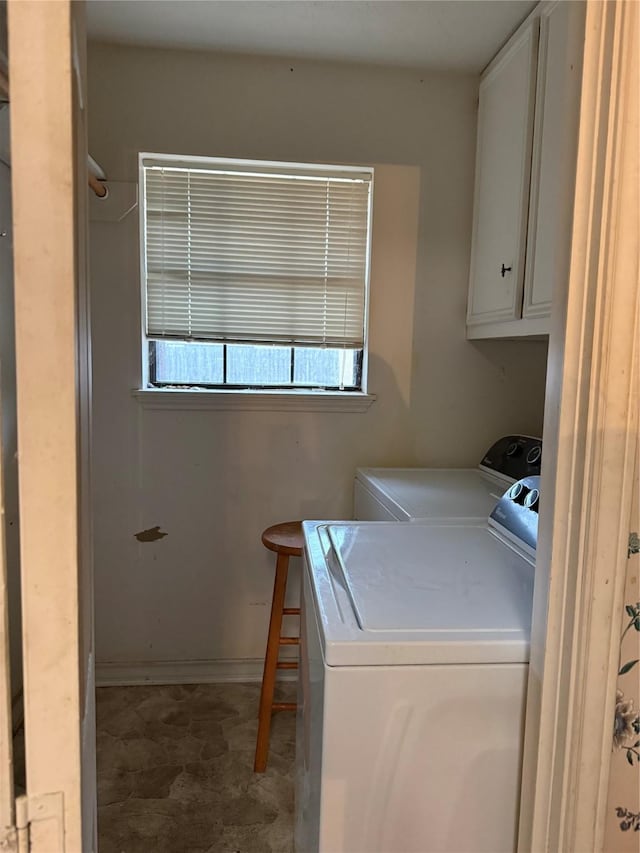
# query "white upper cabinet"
(503, 168)
(554, 153)
(525, 168)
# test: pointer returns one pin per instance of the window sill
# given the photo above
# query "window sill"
(253, 401)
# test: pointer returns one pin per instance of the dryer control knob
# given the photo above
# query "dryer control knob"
(532, 500)
(533, 456)
(513, 449)
(517, 493)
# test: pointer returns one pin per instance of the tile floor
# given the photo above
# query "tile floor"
(175, 771)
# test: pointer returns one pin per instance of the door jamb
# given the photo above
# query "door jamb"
(591, 423)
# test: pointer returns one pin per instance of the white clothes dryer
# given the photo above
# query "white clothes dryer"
(414, 657)
(413, 494)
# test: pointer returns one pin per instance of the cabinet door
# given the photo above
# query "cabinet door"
(503, 170)
(554, 153)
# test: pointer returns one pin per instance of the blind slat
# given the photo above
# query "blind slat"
(253, 257)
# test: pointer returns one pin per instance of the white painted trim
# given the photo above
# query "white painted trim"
(591, 423)
(116, 674)
(254, 401)
(529, 328)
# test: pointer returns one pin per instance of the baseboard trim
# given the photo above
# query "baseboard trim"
(115, 674)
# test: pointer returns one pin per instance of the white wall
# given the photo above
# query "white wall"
(214, 480)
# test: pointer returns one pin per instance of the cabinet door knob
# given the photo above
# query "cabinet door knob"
(505, 270)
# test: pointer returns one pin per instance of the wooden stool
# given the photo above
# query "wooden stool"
(286, 540)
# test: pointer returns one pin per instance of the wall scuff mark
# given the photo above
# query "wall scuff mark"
(150, 535)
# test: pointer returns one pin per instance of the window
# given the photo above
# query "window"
(254, 274)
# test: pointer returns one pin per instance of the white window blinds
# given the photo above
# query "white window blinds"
(263, 253)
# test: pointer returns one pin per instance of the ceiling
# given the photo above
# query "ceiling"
(459, 35)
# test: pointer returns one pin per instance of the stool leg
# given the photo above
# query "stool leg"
(271, 663)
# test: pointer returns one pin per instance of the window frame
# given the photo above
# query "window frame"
(262, 396)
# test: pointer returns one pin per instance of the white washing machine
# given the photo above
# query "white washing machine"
(414, 658)
(412, 494)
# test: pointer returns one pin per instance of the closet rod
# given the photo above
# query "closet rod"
(97, 186)
(95, 183)
(96, 177)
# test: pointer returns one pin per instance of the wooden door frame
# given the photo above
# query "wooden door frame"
(591, 422)
(49, 183)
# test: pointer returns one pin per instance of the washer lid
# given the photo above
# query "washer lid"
(469, 583)
(417, 493)
(395, 593)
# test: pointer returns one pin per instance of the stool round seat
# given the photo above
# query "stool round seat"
(285, 538)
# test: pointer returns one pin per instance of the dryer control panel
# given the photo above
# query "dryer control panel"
(515, 515)
(514, 456)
